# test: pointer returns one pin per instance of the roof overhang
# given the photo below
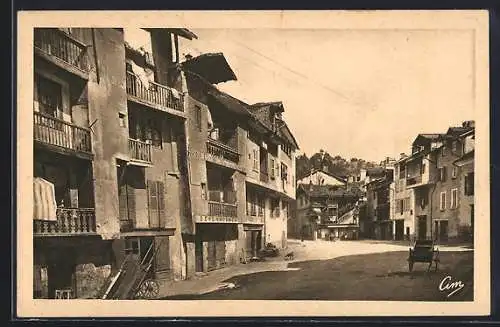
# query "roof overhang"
(213, 67)
(183, 32)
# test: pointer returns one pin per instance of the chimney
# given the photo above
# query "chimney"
(468, 123)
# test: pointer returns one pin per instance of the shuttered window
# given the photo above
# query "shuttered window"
(156, 204)
(469, 184)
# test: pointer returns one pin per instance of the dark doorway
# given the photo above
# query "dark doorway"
(198, 253)
(60, 273)
(400, 226)
(443, 231)
(422, 227)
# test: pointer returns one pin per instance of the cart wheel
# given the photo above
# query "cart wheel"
(410, 265)
(149, 289)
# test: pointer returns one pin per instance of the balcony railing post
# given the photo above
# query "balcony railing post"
(59, 44)
(155, 93)
(54, 131)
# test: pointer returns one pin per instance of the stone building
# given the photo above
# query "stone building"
(136, 153)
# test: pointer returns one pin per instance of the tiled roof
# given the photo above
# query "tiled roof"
(467, 156)
(318, 191)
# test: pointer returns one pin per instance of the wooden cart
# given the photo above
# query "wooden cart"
(135, 280)
(424, 251)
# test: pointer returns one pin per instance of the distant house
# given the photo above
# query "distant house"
(325, 211)
(321, 177)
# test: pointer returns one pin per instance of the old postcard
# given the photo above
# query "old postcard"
(319, 163)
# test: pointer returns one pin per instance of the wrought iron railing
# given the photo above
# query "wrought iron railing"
(140, 150)
(51, 130)
(59, 44)
(70, 221)
(154, 93)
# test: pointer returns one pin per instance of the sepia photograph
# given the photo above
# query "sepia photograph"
(188, 158)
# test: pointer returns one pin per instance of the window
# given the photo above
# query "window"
(454, 172)
(203, 191)
(443, 151)
(262, 205)
(469, 184)
(273, 168)
(284, 172)
(287, 149)
(442, 174)
(146, 130)
(401, 206)
(454, 198)
(442, 201)
(256, 159)
(131, 245)
(406, 204)
(198, 117)
(422, 168)
(275, 208)
(454, 146)
(48, 95)
(122, 119)
(423, 200)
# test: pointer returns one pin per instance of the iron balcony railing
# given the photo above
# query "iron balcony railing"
(219, 209)
(154, 93)
(70, 221)
(223, 151)
(140, 150)
(51, 130)
(59, 44)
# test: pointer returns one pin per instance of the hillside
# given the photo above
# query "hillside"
(333, 164)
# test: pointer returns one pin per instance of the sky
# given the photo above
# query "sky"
(354, 93)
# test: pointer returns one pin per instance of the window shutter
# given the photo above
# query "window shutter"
(471, 184)
(162, 258)
(152, 204)
(130, 194)
(466, 184)
(161, 204)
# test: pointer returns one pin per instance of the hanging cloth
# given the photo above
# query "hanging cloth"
(44, 200)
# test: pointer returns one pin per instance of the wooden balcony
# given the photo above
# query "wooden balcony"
(154, 95)
(140, 151)
(60, 133)
(70, 222)
(62, 49)
(220, 209)
(249, 219)
(128, 227)
(222, 151)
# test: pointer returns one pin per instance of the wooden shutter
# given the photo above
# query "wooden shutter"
(152, 204)
(130, 193)
(162, 219)
(444, 174)
(162, 258)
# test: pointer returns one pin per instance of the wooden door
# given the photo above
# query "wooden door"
(211, 255)
(399, 230)
(443, 230)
